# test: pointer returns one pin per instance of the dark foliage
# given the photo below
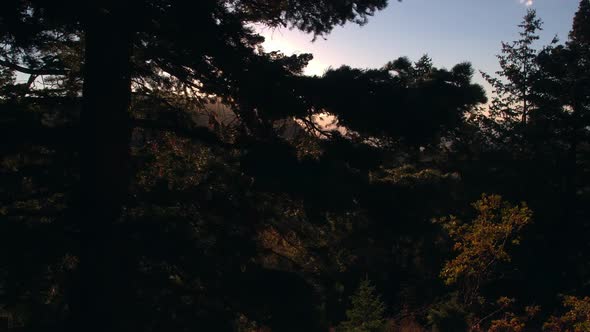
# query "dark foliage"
(161, 172)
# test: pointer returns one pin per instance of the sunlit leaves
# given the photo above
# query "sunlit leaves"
(483, 243)
(575, 319)
(175, 161)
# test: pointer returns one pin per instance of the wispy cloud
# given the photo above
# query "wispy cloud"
(527, 3)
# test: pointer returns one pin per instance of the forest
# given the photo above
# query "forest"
(161, 171)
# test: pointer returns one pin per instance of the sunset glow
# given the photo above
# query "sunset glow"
(295, 165)
(448, 32)
(277, 40)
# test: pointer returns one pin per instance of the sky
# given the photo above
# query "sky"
(449, 31)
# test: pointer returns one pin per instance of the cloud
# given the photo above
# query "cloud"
(527, 3)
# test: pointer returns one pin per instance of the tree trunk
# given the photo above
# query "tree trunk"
(104, 173)
(571, 170)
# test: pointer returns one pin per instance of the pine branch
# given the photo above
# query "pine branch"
(30, 71)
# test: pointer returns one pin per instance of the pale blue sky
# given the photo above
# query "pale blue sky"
(450, 31)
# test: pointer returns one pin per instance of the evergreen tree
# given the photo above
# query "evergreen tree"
(580, 32)
(402, 102)
(367, 310)
(207, 47)
(205, 227)
(562, 123)
(513, 86)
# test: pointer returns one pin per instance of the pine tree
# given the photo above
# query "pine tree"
(565, 84)
(564, 95)
(581, 27)
(366, 312)
(513, 86)
(205, 46)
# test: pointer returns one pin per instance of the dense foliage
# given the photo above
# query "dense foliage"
(154, 179)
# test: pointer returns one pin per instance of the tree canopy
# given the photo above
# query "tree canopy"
(161, 170)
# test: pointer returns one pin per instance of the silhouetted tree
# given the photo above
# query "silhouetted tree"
(412, 103)
(561, 127)
(564, 91)
(203, 45)
(514, 84)
(221, 199)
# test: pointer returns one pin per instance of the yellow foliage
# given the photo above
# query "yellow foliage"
(481, 244)
(576, 319)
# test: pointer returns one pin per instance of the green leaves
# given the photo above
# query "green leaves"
(366, 312)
